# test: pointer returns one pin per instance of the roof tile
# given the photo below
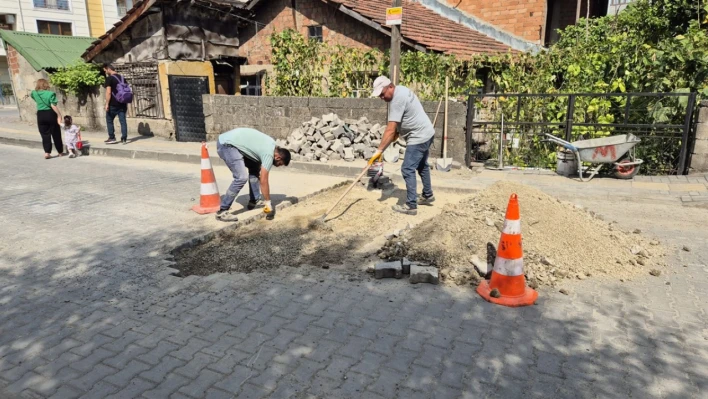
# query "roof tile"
(431, 30)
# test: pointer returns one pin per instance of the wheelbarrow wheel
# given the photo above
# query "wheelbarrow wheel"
(626, 172)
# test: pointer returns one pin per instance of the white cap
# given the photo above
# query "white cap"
(379, 84)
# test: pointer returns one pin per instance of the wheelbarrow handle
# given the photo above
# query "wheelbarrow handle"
(553, 139)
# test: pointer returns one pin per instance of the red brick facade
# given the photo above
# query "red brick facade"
(12, 60)
(337, 28)
(523, 18)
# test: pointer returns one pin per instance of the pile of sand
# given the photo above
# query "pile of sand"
(560, 240)
(357, 228)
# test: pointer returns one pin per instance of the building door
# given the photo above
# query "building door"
(187, 108)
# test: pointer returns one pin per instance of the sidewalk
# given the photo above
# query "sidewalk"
(688, 190)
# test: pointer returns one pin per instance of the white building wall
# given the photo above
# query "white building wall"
(26, 15)
(110, 13)
(615, 6)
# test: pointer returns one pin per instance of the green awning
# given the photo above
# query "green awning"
(46, 51)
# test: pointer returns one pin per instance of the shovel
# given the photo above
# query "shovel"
(319, 223)
(443, 164)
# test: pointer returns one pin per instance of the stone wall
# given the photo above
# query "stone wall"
(699, 155)
(279, 116)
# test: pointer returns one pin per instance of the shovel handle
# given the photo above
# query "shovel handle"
(347, 192)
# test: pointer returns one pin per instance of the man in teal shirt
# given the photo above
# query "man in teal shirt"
(249, 154)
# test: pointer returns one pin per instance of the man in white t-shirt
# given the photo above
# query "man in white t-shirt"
(406, 113)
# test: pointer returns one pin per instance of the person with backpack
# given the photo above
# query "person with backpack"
(118, 96)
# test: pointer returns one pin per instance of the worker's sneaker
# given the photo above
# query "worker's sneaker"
(111, 141)
(253, 205)
(225, 216)
(405, 209)
(423, 200)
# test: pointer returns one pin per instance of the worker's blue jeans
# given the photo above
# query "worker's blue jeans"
(243, 170)
(110, 118)
(416, 159)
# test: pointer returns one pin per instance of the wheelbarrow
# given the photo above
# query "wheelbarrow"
(617, 150)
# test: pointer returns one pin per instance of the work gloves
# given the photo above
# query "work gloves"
(376, 156)
(269, 210)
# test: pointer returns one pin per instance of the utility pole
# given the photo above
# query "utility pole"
(395, 49)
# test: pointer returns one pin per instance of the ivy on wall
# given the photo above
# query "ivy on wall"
(77, 77)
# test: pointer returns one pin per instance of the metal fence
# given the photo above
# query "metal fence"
(147, 97)
(663, 121)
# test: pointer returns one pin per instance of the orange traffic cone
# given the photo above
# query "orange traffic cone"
(508, 273)
(210, 200)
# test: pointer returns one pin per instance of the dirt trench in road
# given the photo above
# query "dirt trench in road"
(358, 225)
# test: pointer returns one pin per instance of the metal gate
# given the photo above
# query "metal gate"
(663, 121)
(187, 107)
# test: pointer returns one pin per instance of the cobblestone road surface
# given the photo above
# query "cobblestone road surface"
(88, 310)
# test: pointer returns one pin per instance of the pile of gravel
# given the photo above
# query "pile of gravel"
(560, 240)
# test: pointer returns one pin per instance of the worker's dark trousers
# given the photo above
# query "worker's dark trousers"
(416, 159)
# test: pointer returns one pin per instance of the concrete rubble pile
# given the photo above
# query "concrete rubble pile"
(331, 139)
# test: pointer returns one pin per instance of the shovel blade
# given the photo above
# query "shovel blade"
(443, 164)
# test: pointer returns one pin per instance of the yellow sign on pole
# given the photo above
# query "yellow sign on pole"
(394, 15)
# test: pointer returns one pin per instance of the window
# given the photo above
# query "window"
(53, 4)
(124, 6)
(7, 21)
(54, 28)
(315, 33)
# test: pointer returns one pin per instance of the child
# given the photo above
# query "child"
(71, 136)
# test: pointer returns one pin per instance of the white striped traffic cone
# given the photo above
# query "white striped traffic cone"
(209, 201)
(508, 273)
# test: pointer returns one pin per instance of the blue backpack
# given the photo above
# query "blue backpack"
(123, 94)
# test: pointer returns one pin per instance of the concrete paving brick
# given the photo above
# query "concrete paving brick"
(388, 382)
(37, 382)
(306, 369)
(233, 382)
(156, 355)
(227, 363)
(283, 339)
(270, 377)
(323, 387)
(170, 384)
(204, 380)
(301, 323)
(215, 332)
(93, 348)
(135, 389)
(188, 351)
(250, 391)
(369, 364)
(420, 379)
(243, 329)
(158, 372)
(125, 375)
(52, 368)
(100, 390)
(125, 356)
(213, 393)
(199, 362)
(66, 392)
(338, 367)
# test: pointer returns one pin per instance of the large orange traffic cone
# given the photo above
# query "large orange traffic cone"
(210, 200)
(508, 273)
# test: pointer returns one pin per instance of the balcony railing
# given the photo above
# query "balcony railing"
(52, 4)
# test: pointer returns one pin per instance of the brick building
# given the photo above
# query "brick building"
(355, 23)
(534, 20)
